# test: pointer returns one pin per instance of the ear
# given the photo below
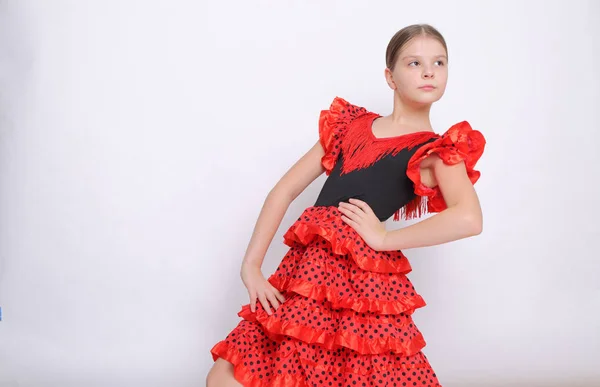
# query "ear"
(389, 79)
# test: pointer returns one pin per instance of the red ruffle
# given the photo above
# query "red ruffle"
(333, 125)
(318, 273)
(249, 379)
(389, 366)
(307, 289)
(274, 325)
(326, 221)
(459, 143)
(374, 367)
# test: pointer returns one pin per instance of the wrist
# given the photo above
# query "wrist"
(386, 242)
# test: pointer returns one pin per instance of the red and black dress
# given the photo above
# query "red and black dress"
(346, 320)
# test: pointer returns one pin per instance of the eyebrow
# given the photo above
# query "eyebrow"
(417, 56)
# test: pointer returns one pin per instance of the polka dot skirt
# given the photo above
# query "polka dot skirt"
(340, 325)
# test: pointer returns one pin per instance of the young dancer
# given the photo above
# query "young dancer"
(337, 311)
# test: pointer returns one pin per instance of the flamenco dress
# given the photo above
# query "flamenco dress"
(347, 316)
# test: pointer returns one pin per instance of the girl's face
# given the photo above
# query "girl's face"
(421, 63)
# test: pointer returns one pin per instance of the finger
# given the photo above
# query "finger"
(265, 303)
(362, 205)
(350, 222)
(350, 214)
(273, 300)
(279, 296)
(253, 302)
(353, 208)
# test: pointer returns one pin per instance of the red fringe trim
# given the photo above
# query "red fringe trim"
(406, 305)
(413, 209)
(274, 327)
(333, 125)
(361, 149)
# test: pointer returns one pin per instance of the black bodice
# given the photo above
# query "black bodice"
(384, 186)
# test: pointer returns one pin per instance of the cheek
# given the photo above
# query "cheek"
(441, 84)
(407, 81)
(442, 78)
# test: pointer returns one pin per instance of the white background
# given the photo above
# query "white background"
(138, 140)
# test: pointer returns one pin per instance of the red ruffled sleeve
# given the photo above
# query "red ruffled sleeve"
(459, 143)
(333, 125)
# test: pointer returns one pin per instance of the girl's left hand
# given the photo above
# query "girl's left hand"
(361, 217)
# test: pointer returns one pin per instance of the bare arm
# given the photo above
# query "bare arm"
(292, 184)
(295, 180)
(462, 218)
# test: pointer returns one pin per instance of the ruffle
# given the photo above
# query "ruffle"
(332, 329)
(417, 362)
(326, 221)
(321, 292)
(243, 373)
(459, 143)
(249, 379)
(316, 272)
(333, 125)
(259, 361)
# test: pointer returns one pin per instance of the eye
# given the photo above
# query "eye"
(416, 63)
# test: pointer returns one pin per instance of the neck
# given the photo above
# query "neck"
(410, 115)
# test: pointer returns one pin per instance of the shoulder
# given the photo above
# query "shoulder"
(343, 110)
(335, 121)
(459, 143)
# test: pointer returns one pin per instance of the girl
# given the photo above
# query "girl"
(337, 311)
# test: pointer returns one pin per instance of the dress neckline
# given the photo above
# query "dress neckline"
(372, 135)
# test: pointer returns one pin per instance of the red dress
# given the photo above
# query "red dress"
(346, 320)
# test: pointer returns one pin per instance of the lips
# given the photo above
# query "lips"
(427, 87)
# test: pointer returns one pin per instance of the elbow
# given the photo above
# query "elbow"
(473, 224)
(477, 228)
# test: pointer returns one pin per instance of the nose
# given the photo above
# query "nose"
(427, 72)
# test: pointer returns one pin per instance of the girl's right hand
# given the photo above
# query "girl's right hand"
(259, 287)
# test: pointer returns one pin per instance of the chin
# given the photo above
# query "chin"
(423, 101)
(420, 98)
(426, 99)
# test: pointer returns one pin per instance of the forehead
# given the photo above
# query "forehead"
(423, 46)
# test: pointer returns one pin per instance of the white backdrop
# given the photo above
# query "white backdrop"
(138, 140)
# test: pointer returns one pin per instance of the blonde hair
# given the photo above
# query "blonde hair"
(405, 35)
